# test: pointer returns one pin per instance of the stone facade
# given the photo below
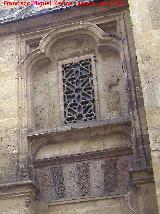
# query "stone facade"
(76, 136)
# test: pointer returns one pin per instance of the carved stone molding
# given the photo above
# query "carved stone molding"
(47, 42)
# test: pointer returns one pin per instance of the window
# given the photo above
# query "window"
(78, 91)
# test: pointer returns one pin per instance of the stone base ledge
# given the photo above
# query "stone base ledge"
(142, 176)
(18, 189)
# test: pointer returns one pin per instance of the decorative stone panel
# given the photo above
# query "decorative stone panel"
(110, 175)
(58, 181)
(83, 178)
(75, 179)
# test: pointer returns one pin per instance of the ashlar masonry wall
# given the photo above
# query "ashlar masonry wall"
(8, 108)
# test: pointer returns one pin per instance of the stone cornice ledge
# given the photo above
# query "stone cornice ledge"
(19, 189)
(62, 130)
(115, 152)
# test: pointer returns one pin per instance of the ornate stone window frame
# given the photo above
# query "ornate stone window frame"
(119, 42)
(95, 85)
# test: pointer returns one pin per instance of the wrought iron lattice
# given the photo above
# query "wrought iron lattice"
(79, 101)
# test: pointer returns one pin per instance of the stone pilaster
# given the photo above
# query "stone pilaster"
(146, 26)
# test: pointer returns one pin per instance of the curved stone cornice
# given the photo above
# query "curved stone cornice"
(101, 38)
(48, 41)
(32, 58)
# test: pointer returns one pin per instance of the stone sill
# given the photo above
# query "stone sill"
(69, 129)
